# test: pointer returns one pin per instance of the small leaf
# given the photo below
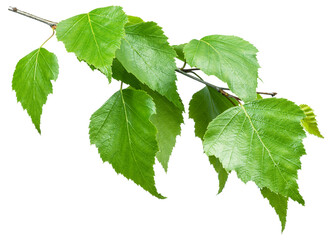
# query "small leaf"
(94, 37)
(258, 97)
(125, 137)
(32, 81)
(168, 117)
(279, 203)
(309, 122)
(204, 106)
(133, 20)
(146, 54)
(230, 58)
(262, 142)
(179, 51)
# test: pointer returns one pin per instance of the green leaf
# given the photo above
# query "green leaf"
(168, 117)
(222, 173)
(94, 37)
(230, 58)
(279, 203)
(309, 122)
(262, 142)
(168, 120)
(204, 106)
(179, 51)
(32, 81)
(146, 54)
(133, 20)
(125, 137)
(258, 97)
(120, 74)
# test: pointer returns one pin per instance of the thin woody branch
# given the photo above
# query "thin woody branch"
(48, 22)
(186, 71)
(219, 89)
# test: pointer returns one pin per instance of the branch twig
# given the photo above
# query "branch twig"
(48, 22)
(220, 89)
(189, 69)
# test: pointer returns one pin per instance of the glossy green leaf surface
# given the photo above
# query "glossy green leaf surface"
(262, 142)
(32, 81)
(146, 54)
(279, 204)
(204, 106)
(125, 137)
(167, 119)
(309, 122)
(94, 37)
(230, 58)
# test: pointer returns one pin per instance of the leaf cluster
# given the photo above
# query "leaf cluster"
(260, 139)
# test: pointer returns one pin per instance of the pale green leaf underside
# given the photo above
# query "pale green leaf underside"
(279, 204)
(309, 122)
(125, 137)
(32, 81)
(230, 58)
(204, 106)
(146, 54)
(94, 37)
(262, 142)
(168, 117)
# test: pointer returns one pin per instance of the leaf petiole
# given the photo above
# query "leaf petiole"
(53, 33)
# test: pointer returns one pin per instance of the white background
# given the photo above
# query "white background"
(55, 186)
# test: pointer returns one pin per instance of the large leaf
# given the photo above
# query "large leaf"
(32, 81)
(94, 37)
(168, 117)
(230, 58)
(279, 204)
(125, 137)
(309, 122)
(262, 142)
(204, 106)
(146, 54)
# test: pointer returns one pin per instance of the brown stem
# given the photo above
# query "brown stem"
(199, 79)
(221, 90)
(48, 22)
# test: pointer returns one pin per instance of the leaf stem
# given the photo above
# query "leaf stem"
(53, 33)
(26, 14)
